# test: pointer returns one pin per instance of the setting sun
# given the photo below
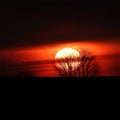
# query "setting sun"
(59, 55)
(66, 55)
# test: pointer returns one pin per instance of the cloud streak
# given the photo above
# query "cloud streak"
(109, 67)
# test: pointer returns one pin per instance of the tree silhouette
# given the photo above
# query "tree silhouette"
(85, 65)
(66, 66)
(88, 64)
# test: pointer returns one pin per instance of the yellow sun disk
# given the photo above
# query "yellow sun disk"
(69, 54)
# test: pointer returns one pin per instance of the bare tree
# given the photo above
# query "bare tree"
(66, 66)
(88, 64)
(85, 65)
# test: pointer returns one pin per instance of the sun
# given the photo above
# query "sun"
(67, 58)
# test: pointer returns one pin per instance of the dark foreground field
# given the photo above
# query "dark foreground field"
(27, 95)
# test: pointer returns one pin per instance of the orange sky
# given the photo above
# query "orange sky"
(47, 52)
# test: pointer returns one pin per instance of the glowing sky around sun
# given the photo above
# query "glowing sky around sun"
(107, 53)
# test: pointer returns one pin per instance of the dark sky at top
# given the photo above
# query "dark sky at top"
(30, 23)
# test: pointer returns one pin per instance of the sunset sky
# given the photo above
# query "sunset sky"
(31, 33)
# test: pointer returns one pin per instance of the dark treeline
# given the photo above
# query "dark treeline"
(53, 94)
